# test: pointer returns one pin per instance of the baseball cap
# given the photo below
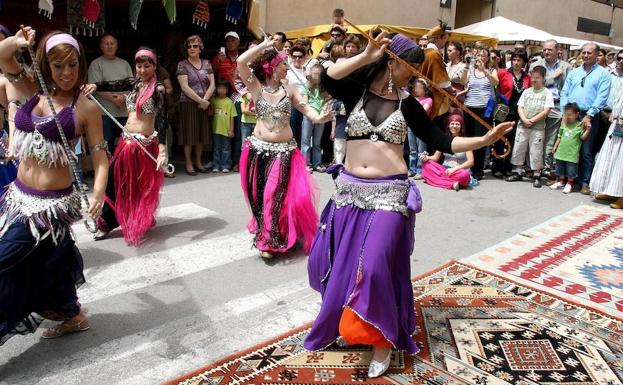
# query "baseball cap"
(232, 34)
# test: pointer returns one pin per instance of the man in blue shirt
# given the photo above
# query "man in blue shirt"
(589, 87)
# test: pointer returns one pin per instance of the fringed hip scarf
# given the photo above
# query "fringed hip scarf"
(47, 213)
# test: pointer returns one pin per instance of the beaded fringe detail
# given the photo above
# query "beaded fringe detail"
(24, 146)
(45, 216)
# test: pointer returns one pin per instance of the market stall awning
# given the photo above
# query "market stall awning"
(576, 44)
(320, 33)
(507, 31)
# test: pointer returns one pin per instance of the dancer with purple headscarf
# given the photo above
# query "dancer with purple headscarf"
(359, 260)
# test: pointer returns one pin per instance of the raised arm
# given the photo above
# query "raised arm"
(244, 60)
(371, 54)
(16, 73)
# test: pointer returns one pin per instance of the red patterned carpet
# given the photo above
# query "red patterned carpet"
(577, 256)
(473, 327)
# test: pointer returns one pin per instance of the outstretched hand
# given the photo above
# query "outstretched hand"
(498, 132)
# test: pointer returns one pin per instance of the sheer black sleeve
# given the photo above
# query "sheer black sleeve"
(424, 128)
(162, 118)
(126, 84)
(347, 90)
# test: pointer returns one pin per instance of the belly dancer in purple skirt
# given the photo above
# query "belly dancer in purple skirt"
(359, 260)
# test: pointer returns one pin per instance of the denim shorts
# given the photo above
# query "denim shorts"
(566, 169)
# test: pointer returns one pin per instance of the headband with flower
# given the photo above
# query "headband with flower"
(269, 66)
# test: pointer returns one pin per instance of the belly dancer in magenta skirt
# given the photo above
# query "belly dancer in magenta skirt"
(359, 260)
(275, 181)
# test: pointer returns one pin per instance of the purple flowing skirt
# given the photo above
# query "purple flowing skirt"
(360, 258)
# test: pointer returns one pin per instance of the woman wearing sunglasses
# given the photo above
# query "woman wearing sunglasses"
(196, 79)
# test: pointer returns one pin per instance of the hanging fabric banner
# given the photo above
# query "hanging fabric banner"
(46, 8)
(233, 13)
(84, 17)
(169, 6)
(135, 9)
(201, 16)
(90, 11)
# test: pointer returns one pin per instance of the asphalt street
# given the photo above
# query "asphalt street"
(196, 291)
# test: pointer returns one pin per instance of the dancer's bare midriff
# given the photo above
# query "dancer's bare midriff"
(368, 159)
(143, 126)
(281, 133)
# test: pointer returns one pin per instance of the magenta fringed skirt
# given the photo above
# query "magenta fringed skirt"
(137, 188)
(281, 194)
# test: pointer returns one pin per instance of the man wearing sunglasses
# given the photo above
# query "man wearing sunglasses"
(589, 87)
(557, 71)
(337, 37)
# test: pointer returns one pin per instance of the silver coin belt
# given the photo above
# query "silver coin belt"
(388, 196)
(145, 140)
(45, 216)
(271, 148)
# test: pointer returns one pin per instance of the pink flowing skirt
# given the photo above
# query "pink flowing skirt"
(282, 197)
(137, 189)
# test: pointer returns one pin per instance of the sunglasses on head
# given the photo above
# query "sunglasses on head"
(194, 46)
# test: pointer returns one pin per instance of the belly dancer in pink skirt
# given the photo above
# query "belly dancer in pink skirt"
(276, 184)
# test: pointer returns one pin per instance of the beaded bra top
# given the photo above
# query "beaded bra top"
(149, 107)
(38, 137)
(392, 130)
(273, 113)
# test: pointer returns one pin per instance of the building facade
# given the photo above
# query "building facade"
(558, 17)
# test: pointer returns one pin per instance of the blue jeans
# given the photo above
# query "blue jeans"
(566, 169)
(246, 129)
(296, 123)
(311, 139)
(237, 139)
(112, 131)
(221, 152)
(587, 155)
(416, 147)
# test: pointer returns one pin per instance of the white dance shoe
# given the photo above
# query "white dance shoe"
(377, 369)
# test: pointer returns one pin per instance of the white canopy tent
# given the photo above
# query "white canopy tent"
(576, 44)
(507, 31)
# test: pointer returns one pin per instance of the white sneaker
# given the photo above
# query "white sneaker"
(225, 170)
(215, 170)
(556, 186)
(376, 368)
(567, 189)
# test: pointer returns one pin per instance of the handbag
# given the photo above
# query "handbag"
(497, 107)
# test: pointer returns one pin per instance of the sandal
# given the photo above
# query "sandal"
(266, 255)
(67, 327)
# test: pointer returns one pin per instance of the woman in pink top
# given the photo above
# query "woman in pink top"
(454, 172)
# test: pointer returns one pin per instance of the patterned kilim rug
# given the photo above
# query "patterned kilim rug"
(577, 256)
(474, 328)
